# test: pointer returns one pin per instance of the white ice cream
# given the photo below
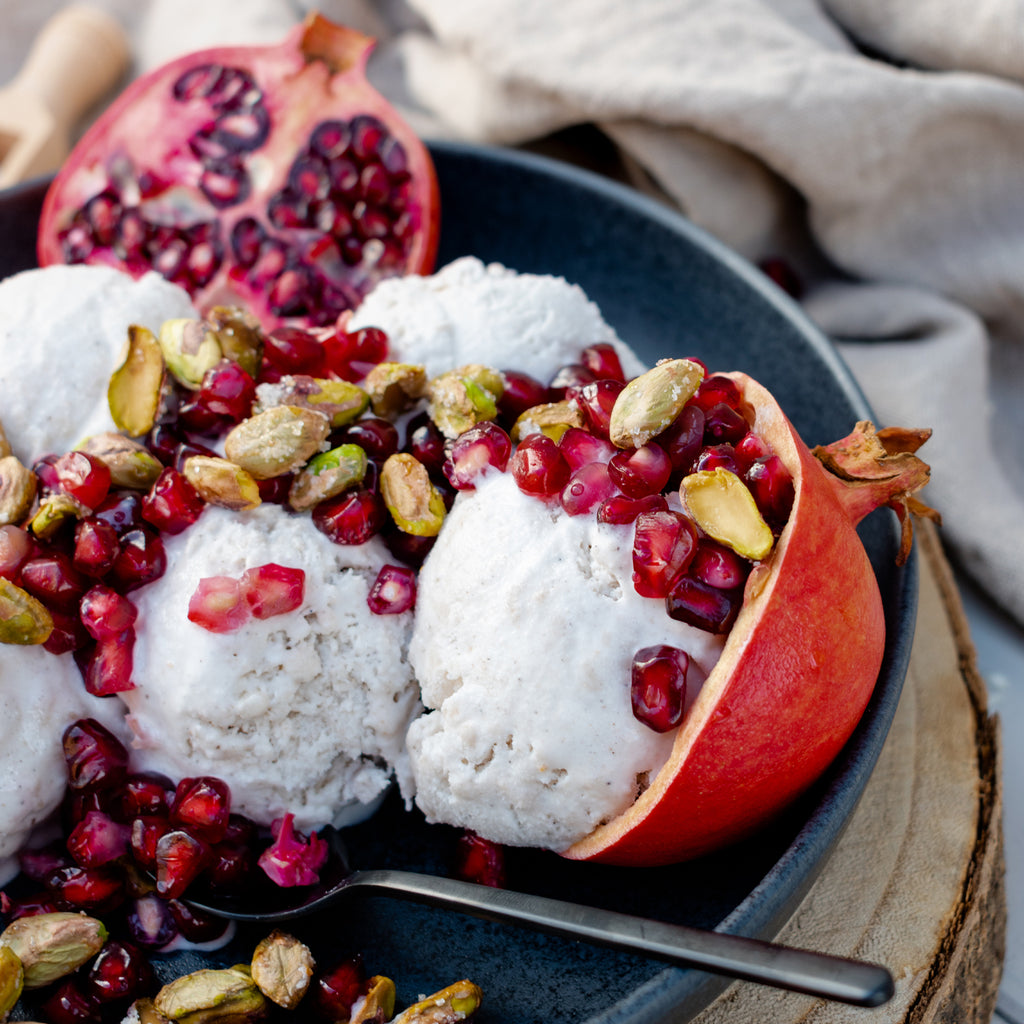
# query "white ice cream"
(62, 332)
(41, 694)
(304, 712)
(526, 626)
(471, 312)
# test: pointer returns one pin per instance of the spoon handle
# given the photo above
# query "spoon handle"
(818, 974)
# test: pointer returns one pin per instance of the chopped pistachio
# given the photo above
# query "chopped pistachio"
(276, 441)
(135, 387)
(551, 418)
(131, 464)
(207, 996)
(240, 336)
(415, 504)
(395, 387)
(54, 944)
(221, 482)
(459, 399)
(282, 967)
(190, 348)
(23, 619)
(339, 400)
(648, 404)
(723, 507)
(378, 1004)
(17, 490)
(452, 1004)
(326, 475)
(12, 980)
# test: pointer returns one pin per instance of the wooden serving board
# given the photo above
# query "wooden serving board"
(917, 881)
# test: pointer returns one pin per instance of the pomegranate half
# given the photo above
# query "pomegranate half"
(800, 661)
(274, 177)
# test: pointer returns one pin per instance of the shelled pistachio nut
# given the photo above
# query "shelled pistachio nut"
(449, 1006)
(326, 475)
(378, 1004)
(394, 387)
(415, 504)
(550, 418)
(461, 398)
(648, 404)
(134, 390)
(17, 490)
(220, 482)
(190, 348)
(282, 968)
(53, 945)
(239, 335)
(339, 400)
(212, 995)
(12, 980)
(131, 464)
(23, 619)
(276, 441)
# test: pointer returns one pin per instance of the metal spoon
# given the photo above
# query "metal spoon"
(797, 970)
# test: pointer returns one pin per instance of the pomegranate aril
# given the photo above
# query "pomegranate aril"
(408, 547)
(273, 589)
(69, 1004)
(228, 390)
(684, 439)
(146, 831)
(352, 517)
(425, 443)
(218, 604)
(119, 973)
(718, 389)
(293, 350)
(98, 839)
(718, 566)
(602, 360)
(150, 923)
(109, 666)
(334, 990)
(622, 510)
(658, 686)
(521, 392)
(750, 448)
(705, 607)
(246, 241)
(103, 215)
(122, 509)
(84, 477)
(96, 546)
(638, 472)
(141, 559)
(232, 866)
(724, 425)
(479, 860)
(145, 793)
(98, 889)
(180, 858)
(172, 504)
(581, 446)
(772, 487)
(94, 756)
(351, 355)
(663, 545)
(368, 133)
(202, 805)
(46, 473)
(538, 467)
(194, 925)
(77, 803)
(293, 859)
(105, 613)
(15, 907)
(393, 591)
(54, 580)
(330, 138)
(68, 633)
(37, 863)
(718, 456)
(590, 486)
(571, 375)
(483, 447)
(377, 437)
(596, 401)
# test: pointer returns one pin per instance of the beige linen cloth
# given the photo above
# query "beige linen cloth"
(878, 146)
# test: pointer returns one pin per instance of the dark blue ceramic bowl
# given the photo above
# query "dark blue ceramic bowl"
(669, 290)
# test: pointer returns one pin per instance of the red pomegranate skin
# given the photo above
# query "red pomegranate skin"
(793, 680)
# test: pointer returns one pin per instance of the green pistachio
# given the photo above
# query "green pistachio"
(648, 404)
(53, 945)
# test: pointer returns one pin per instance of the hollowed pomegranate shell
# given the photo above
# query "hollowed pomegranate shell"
(790, 685)
(273, 177)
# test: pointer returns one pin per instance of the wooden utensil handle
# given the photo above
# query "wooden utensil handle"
(79, 55)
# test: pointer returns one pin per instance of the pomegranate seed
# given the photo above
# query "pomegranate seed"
(98, 839)
(36, 863)
(772, 487)
(479, 860)
(53, 579)
(145, 793)
(68, 633)
(232, 866)
(641, 471)
(292, 350)
(276, 488)
(16, 546)
(426, 443)
(596, 401)
(750, 448)
(718, 566)
(705, 607)
(352, 355)
(393, 591)
(684, 439)
(202, 805)
(122, 510)
(718, 456)
(96, 546)
(521, 392)
(83, 476)
(334, 991)
(68, 1004)
(292, 859)
(715, 389)
(273, 589)
(109, 667)
(195, 417)
(407, 547)
(119, 973)
(482, 447)
(724, 425)
(172, 503)
(538, 467)
(620, 509)
(194, 925)
(77, 803)
(97, 889)
(146, 832)
(377, 437)
(658, 686)
(590, 486)
(150, 923)
(352, 517)
(580, 447)
(26, 906)
(95, 757)
(603, 362)
(141, 559)
(569, 376)
(663, 545)
(218, 604)
(180, 857)
(105, 613)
